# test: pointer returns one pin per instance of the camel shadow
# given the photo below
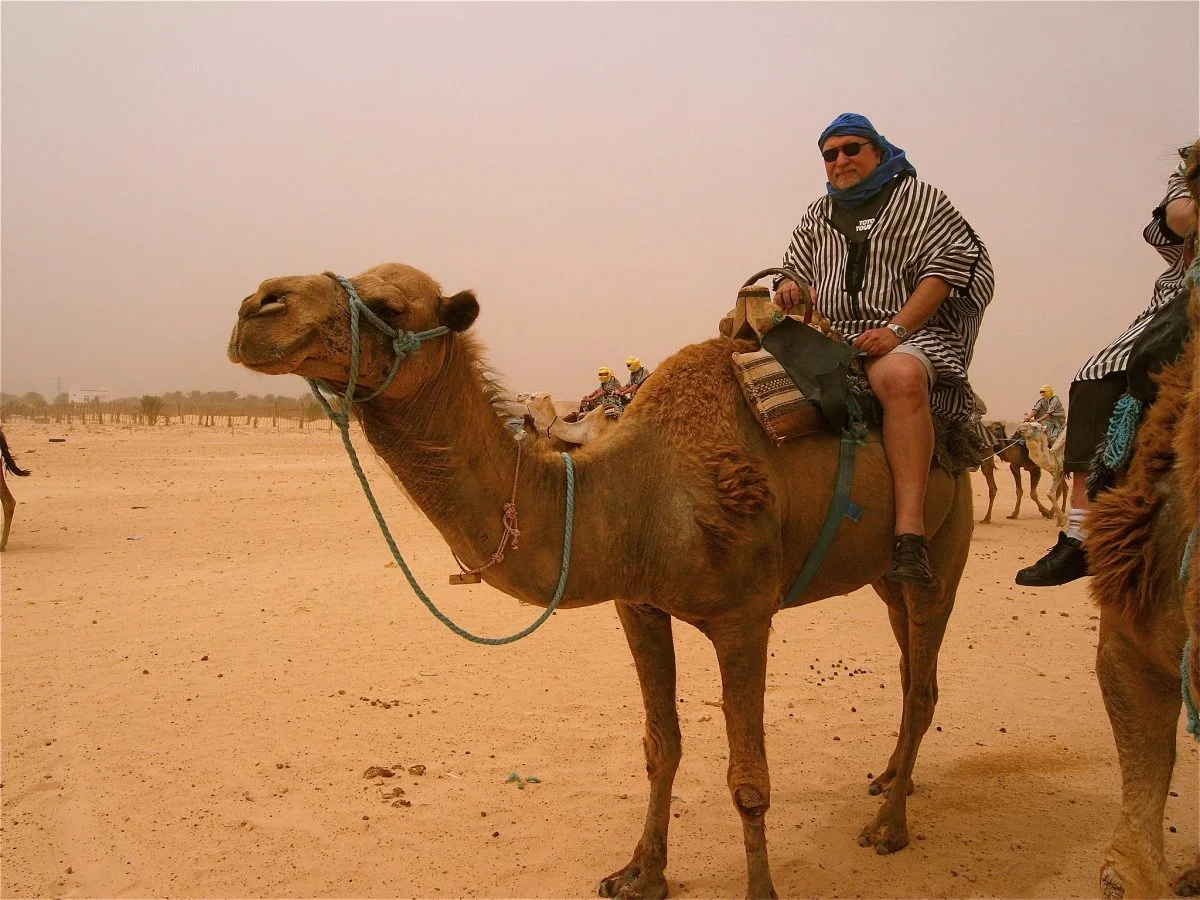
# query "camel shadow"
(998, 823)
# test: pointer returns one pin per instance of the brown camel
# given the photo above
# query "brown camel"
(1049, 458)
(1011, 450)
(1137, 537)
(8, 501)
(708, 523)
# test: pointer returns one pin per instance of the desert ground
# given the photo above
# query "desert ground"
(206, 645)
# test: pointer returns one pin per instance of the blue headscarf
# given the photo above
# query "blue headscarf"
(891, 160)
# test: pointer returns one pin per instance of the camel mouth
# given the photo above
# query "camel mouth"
(250, 348)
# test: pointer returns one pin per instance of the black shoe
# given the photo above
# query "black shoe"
(1065, 561)
(910, 561)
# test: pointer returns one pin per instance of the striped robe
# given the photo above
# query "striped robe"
(1115, 357)
(916, 235)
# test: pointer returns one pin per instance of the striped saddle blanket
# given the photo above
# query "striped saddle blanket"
(782, 410)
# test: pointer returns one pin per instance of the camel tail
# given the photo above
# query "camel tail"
(9, 462)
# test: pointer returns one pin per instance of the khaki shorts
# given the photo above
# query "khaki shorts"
(919, 354)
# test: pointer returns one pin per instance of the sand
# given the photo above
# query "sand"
(205, 646)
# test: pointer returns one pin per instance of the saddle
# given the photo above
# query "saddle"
(799, 382)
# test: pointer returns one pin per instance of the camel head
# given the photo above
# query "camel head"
(300, 325)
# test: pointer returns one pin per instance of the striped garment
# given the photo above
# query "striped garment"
(916, 235)
(1115, 357)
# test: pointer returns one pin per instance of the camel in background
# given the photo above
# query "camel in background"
(687, 512)
(1050, 460)
(1138, 537)
(8, 501)
(1012, 451)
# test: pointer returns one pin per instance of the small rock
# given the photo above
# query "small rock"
(495, 834)
(204, 658)
(378, 772)
(416, 770)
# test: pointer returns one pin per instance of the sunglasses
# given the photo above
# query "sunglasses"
(851, 149)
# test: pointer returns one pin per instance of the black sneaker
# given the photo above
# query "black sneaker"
(910, 560)
(1065, 561)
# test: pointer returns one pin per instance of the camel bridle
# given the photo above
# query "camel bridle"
(405, 343)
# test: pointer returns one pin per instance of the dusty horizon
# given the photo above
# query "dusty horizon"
(605, 176)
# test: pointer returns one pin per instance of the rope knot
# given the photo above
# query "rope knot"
(510, 522)
(404, 343)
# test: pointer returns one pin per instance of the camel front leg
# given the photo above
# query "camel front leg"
(648, 632)
(1143, 704)
(741, 647)
(1035, 475)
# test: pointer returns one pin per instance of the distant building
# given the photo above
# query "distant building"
(77, 394)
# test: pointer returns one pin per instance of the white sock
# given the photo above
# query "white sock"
(1075, 527)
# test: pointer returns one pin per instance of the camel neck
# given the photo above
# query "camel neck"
(457, 461)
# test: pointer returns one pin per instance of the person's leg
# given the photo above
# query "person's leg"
(1090, 407)
(901, 383)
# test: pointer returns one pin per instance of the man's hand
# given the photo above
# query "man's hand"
(789, 295)
(877, 342)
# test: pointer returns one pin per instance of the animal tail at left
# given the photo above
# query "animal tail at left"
(9, 462)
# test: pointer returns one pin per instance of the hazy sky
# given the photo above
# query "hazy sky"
(604, 175)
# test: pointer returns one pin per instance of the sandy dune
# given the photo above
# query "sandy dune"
(205, 646)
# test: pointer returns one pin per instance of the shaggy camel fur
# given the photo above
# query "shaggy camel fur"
(707, 522)
(1138, 532)
(1012, 451)
(8, 501)
(1050, 460)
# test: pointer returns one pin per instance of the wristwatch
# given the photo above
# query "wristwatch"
(898, 330)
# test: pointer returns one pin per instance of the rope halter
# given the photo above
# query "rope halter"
(404, 343)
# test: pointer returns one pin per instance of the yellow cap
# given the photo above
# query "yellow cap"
(604, 372)
(1047, 390)
(633, 362)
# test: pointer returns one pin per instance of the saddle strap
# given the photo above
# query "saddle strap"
(838, 507)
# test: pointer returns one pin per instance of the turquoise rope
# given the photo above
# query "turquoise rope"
(1188, 549)
(1193, 715)
(1122, 430)
(404, 343)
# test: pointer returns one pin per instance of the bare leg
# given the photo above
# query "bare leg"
(902, 386)
(742, 654)
(648, 632)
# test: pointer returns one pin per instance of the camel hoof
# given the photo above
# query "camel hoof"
(628, 884)
(1046, 514)
(1111, 887)
(1188, 883)
(1013, 516)
(884, 838)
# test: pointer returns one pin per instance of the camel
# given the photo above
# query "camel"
(8, 501)
(708, 523)
(1012, 451)
(1050, 459)
(570, 430)
(1138, 532)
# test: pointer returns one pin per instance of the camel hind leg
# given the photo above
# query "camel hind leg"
(1016, 474)
(9, 503)
(1140, 683)
(918, 616)
(648, 632)
(988, 468)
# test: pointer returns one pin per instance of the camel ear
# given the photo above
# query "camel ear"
(458, 313)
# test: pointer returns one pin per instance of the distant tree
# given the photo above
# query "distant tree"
(62, 399)
(151, 406)
(34, 399)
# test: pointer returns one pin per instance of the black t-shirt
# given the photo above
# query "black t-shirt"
(856, 224)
